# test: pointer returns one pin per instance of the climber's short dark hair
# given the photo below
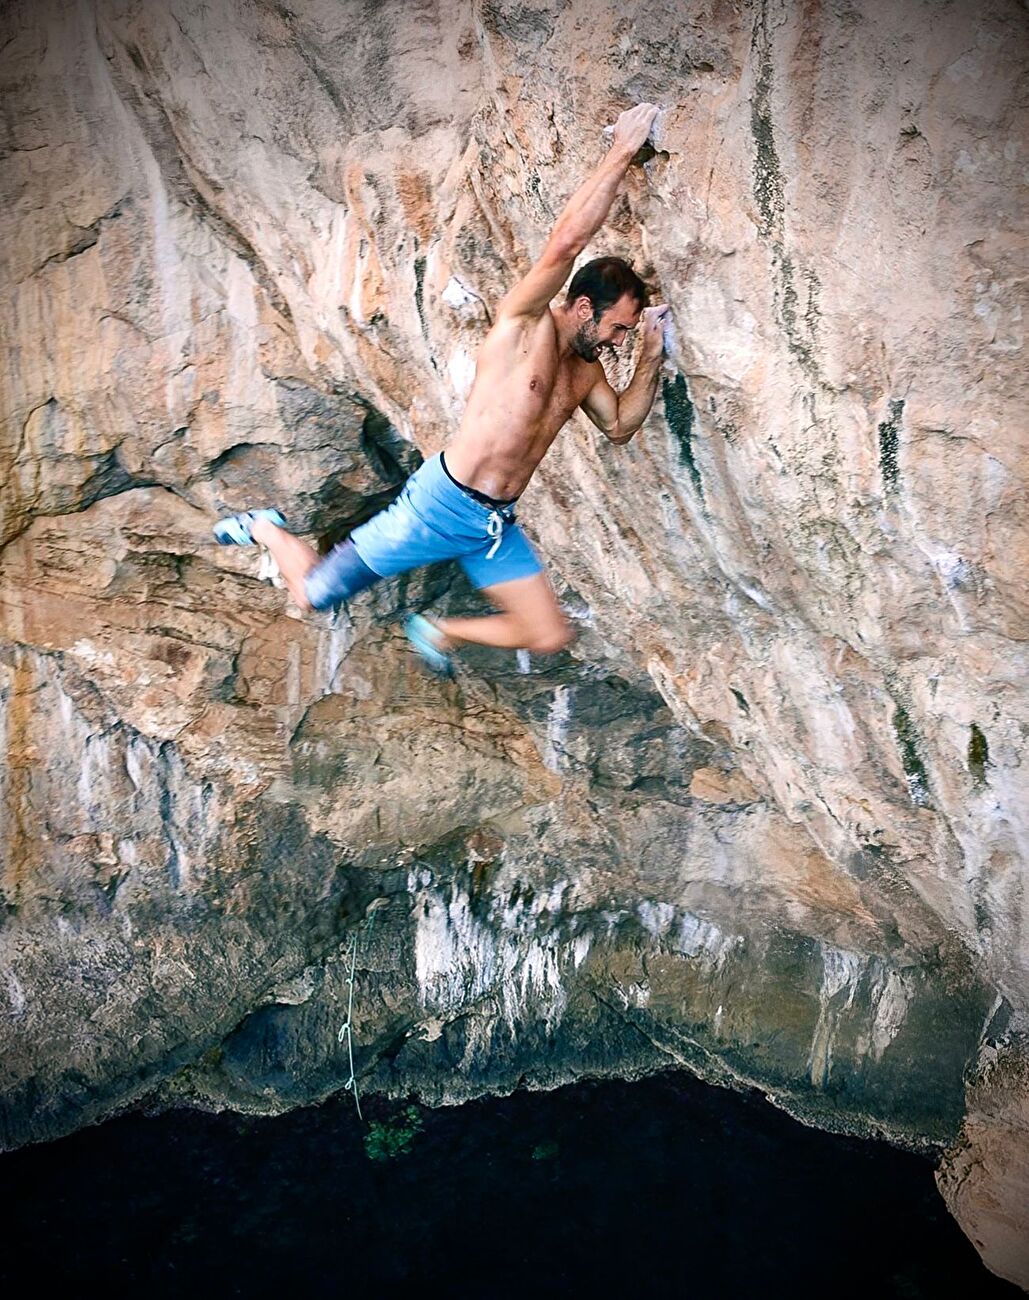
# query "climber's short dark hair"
(603, 281)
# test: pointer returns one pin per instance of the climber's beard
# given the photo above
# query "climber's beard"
(585, 343)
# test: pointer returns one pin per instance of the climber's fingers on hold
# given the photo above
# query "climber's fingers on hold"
(653, 318)
(652, 328)
(633, 126)
(656, 312)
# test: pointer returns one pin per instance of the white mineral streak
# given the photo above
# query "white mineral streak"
(635, 994)
(840, 970)
(138, 762)
(334, 642)
(507, 956)
(79, 743)
(699, 938)
(458, 296)
(690, 935)
(558, 718)
(890, 999)
(86, 650)
(180, 861)
(328, 253)
(656, 918)
(16, 994)
(93, 785)
(987, 1049)
(355, 306)
(461, 369)
(671, 344)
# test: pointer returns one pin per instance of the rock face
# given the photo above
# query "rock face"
(768, 817)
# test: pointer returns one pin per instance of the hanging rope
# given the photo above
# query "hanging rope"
(346, 1033)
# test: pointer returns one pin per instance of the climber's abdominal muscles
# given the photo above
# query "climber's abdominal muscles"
(524, 392)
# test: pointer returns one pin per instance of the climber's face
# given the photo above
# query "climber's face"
(607, 332)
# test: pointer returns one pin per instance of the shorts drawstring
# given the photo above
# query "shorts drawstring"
(494, 529)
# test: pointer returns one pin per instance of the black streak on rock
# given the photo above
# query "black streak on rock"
(888, 443)
(419, 293)
(910, 744)
(978, 755)
(681, 419)
(390, 455)
(769, 191)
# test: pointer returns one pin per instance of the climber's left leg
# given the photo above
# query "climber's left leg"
(531, 619)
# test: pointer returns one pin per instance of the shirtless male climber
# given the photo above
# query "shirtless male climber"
(536, 365)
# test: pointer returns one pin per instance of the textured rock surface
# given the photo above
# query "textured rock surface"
(768, 817)
(985, 1178)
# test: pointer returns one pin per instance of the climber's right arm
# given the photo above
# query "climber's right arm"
(583, 215)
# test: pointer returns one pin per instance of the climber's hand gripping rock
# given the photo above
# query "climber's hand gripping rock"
(652, 330)
(633, 127)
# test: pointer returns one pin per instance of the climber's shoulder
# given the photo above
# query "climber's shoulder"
(519, 334)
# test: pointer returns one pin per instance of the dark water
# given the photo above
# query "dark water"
(611, 1189)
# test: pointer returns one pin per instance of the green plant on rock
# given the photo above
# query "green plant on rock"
(387, 1139)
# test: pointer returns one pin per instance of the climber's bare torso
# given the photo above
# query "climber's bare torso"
(539, 362)
(524, 392)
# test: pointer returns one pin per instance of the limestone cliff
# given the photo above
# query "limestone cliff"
(768, 817)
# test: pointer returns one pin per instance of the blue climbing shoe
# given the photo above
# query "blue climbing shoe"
(424, 637)
(234, 530)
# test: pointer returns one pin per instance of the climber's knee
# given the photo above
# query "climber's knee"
(551, 638)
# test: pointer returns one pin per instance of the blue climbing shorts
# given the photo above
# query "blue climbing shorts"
(434, 518)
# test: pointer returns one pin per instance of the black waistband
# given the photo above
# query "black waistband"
(493, 502)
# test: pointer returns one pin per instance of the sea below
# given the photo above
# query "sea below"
(666, 1186)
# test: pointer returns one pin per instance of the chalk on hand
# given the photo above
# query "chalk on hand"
(650, 147)
(654, 131)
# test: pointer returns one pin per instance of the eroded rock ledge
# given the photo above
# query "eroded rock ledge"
(767, 817)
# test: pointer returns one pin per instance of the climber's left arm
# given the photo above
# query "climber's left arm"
(619, 416)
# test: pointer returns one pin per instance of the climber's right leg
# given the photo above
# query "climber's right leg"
(420, 527)
(295, 557)
(336, 577)
(314, 581)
